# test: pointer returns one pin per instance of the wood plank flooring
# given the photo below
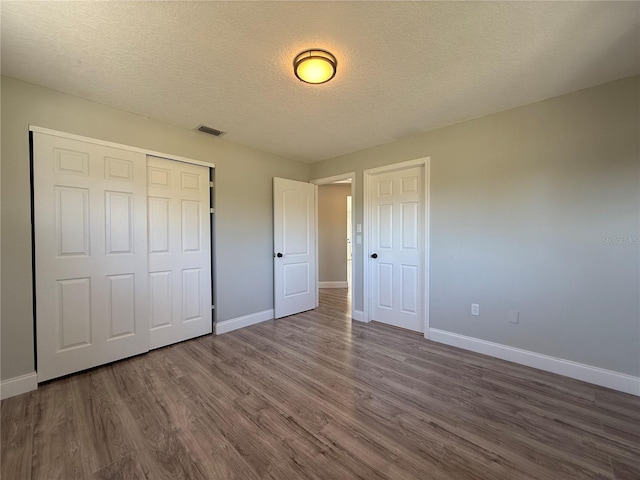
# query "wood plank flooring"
(317, 396)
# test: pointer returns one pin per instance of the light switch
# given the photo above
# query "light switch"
(359, 228)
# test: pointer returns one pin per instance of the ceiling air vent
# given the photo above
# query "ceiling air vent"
(210, 131)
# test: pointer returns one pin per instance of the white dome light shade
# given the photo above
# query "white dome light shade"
(315, 66)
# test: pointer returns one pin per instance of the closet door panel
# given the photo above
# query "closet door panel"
(179, 251)
(90, 224)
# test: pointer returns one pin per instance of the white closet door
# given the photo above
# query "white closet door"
(90, 254)
(397, 238)
(179, 251)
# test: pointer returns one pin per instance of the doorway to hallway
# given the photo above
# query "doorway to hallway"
(337, 254)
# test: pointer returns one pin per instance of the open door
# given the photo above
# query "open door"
(294, 236)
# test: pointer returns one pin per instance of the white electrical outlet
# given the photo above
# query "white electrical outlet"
(475, 309)
(359, 239)
(359, 227)
(514, 316)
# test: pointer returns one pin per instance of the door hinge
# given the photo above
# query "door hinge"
(210, 184)
(213, 307)
(211, 210)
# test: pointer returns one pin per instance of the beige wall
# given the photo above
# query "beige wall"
(332, 232)
(243, 210)
(534, 209)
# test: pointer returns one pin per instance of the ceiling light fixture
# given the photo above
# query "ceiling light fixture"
(315, 66)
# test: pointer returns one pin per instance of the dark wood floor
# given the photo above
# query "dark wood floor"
(316, 396)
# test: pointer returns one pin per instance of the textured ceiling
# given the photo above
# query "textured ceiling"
(403, 67)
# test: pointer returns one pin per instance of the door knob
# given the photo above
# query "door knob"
(279, 255)
(374, 255)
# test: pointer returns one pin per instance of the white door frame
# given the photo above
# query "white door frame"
(325, 181)
(367, 191)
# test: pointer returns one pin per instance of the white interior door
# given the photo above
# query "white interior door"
(294, 237)
(179, 251)
(396, 244)
(90, 254)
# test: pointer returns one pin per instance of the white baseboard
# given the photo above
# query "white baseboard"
(358, 315)
(241, 322)
(18, 385)
(333, 285)
(598, 376)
